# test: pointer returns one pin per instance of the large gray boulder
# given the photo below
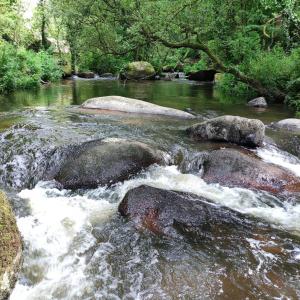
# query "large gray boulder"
(129, 105)
(170, 212)
(105, 162)
(233, 129)
(292, 125)
(139, 70)
(10, 248)
(258, 102)
(241, 168)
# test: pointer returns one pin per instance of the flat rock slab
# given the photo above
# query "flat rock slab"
(292, 125)
(129, 105)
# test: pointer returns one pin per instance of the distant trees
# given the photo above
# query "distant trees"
(255, 43)
(235, 37)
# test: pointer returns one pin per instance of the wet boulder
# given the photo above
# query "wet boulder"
(107, 76)
(138, 70)
(10, 248)
(204, 75)
(258, 102)
(292, 125)
(129, 105)
(232, 129)
(86, 75)
(170, 212)
(105, 162)
(169, 76)
(241, 168)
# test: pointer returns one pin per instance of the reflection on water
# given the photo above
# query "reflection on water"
(177, 94)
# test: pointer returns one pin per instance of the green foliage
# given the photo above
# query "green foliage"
(275, 68)
(200, 65)
(20, 68)
(229, 85)
(293, 98)
(101, 63)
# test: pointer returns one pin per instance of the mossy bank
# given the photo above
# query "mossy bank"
(10, 248)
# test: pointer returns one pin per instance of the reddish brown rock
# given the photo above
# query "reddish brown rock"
(171, 213)
(242, 168)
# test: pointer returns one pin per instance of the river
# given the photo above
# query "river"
(76, 246)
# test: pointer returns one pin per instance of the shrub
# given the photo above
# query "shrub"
(20, 68)
(200, 65)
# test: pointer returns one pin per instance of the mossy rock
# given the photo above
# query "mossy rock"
(139, 70)
(10, 248)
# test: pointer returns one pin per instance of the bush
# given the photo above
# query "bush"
(229, 85)
(274, 69)
(200, 65)
(100, 64)
(20, 68)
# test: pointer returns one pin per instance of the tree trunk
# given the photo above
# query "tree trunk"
(73, 58)
(43, 26)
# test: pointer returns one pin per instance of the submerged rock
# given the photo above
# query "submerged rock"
(138, 70)
(10, 248)
(230, 167)
(104, 162)
(129, 105)
(258, 102)
(204, 75)
(292, 125)
(233, 129)
(169, 212)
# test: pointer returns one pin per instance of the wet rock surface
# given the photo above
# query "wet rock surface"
(233, 129)
(242, 168)
(104, 162)
(170, 212)
(204, 75)
(10, 248)
(86, 75)
(288, 142)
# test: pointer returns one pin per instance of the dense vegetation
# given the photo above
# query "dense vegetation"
(255, 43)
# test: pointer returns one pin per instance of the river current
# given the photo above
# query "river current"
(76, 246)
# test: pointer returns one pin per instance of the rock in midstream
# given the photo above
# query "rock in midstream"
(104, 162)
(129, 105)
(170, 212)
(258, 102)
(233, 129)
(292, 125)
(241, 168)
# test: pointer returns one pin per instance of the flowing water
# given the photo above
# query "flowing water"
(76, 246)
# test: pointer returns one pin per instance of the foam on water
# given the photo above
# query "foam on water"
(58, 233)
(262, 205)
(281, 158)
